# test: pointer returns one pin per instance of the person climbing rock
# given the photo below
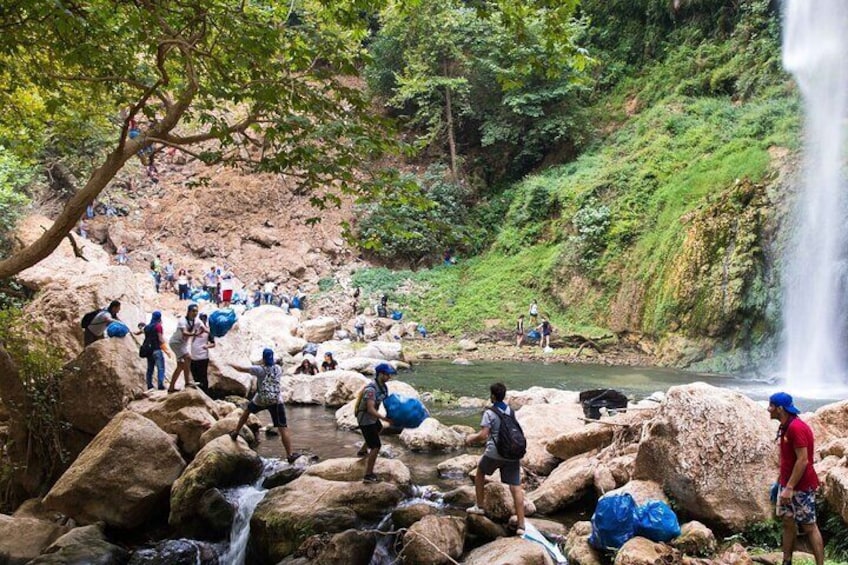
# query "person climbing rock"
(179, 344)
(368, 417)
(154, 347)
(267, 397)
(306, 367)
(510, 469)
(199, 351)
(96, 328)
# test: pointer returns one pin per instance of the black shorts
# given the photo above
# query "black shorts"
(371, 434)
(510, 469)
(278, 413)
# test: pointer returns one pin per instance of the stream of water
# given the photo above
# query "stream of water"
(815, 47)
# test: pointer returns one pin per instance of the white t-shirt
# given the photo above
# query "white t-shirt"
(178, 338)
(182, 279)
(198, 344)
(226, 284)
(100, 322)
(269, 287)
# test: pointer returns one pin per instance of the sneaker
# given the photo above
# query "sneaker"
(371, 478)
(293, 457)
(519, 532)
(476, 510)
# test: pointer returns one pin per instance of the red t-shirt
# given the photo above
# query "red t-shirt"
(798, 434)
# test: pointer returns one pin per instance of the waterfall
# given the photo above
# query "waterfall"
(815, 50)
(247, 498)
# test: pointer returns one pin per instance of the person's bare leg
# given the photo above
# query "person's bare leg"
(373, 453)
(518, 500)
(789, 534)
(479, 491)
(175, 375)
(187, 378)
(816, 541)
(285, 437)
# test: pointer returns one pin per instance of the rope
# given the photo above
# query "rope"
(422, 536)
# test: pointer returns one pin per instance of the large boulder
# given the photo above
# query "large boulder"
(540, 423)
(310, 504)
(434, 540)
(100, 383)
(577, 547)
(714, 470)
(836, 491)
(695, 539)
(498, 502)
(457, 467)
(221, 463)
(353, 469)
(386, 350)
(319, 329)
(642, 551)
(351, 547)
(541, 395)
(365, 365)
(565, 485)
(86, 544)
(332, 389)
(23, 539)
(405, 516)
(829, 422)
(256, 329)
(580, 440)
(122, 478)
(642, 491)
(186, 414)
(432, 435)
(515, 551)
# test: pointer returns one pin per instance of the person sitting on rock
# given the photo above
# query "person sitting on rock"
(368, 417)
(179, 344)
(267, 397)
(329, 363)
(306, 367)
(96, 329)
(491, 459)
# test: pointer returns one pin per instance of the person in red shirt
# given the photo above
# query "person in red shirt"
(796, 503)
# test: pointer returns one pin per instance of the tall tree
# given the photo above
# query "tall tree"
(255, 83)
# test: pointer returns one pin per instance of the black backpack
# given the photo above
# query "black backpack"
(511, 442)
(88, 318)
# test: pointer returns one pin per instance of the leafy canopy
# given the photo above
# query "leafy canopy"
(261, 84)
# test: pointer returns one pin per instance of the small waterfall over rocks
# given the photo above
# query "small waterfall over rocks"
(815, 50)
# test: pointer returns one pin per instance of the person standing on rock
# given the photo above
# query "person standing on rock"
(359, 326)
(96, 329)
(545, 330)
(519, 331)
(182, 284)
(154, 344)
(534, 312)
(170, 272)
(368, 417)
(491, 460)
(179, 343)
(201, 343)
(796, 503)
(267, 397)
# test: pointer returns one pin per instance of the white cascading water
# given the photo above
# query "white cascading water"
(248, 498)
(815, 51)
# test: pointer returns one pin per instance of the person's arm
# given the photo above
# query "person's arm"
(798, 469)
(480, 436)
(241, 369)
(372, 410)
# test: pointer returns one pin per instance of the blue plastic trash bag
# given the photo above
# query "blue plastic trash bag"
(533, 334)
(614, 521)
(405, 412)
(221, 321)
(397, 315)
(295, 303)
(656, 521)
(117, 329)
(310, 349)
(200, 295)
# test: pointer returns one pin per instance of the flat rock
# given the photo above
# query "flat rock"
(353, 469)
(514, 551)
(23, 539)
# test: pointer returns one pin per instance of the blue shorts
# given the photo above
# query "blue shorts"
(802, 507)
(278, 413)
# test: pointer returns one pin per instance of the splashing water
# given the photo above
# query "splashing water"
(815, 50)
(248, 498)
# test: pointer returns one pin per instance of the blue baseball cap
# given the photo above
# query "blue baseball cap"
(268, 356)
(156, 316)
(783, 400)
(385, 368)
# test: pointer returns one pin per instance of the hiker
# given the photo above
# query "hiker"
(156, 271)
(227, 290)
(121, 254)
(422, 331)
(306, 367)
(179, 344)
(154, 348)
(545, 330)
(202, 342)
(95, 329)
(494, 419)
(797, 480)
(182, 284)
(355, 303)
(519, 331)
(368, 417)
(267, 397)
(268, 292)
(83, 228)
(170, 272)
(534, 312)
(359, 326)
(329, 363)
(210, 283)
(257, 295)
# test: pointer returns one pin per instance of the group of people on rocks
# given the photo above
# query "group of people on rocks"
(543, 329)
(218, 283)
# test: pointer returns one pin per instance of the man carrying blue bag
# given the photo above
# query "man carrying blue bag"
(369, 419)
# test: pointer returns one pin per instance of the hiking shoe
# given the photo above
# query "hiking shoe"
(519, 532)
(476, 510)
(293, 457)
(371, 478)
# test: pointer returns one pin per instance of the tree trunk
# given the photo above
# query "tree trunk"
(17, 403)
